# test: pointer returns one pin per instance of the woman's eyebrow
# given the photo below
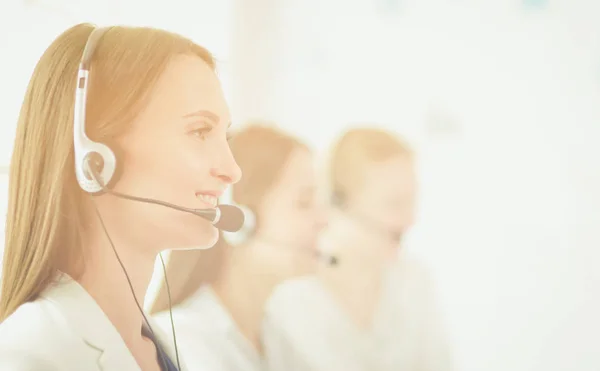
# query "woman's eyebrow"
(203, 113)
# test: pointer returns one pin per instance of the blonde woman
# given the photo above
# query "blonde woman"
(221, 293)
(78, 259)
(375, 310)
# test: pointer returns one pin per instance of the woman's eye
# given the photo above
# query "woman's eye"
(201, 133)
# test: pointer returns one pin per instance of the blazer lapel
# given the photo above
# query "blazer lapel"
(116, 359)
(89, 321)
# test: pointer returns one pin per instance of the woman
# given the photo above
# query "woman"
(374, 310)
(76, 266)
(222, 292)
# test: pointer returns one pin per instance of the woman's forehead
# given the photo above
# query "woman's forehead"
(189, 85)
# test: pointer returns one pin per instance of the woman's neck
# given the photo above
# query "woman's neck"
(105, 280)
(244, 288)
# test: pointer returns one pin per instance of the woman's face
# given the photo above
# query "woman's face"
(291, 215)
(384, 204)
(176, 151)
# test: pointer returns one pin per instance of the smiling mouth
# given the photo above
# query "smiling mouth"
(208, 199)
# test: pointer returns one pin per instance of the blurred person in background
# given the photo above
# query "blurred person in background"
(219, 294)
(375, 309)
(79, 257)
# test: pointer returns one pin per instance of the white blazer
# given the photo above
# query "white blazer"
(65, 330)
(306, 329)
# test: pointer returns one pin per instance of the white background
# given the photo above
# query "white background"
(509, 199)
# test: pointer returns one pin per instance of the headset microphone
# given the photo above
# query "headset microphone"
(228, 218)
(248, 225)
(330, 260)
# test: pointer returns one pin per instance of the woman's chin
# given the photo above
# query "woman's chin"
(203, 239)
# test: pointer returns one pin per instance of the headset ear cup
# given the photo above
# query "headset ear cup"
(95, 161)
(101, 159)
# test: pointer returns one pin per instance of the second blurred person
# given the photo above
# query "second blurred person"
(219, 295)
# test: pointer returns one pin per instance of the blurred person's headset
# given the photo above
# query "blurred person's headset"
(248, 229)
(249, 226)
(339, 200)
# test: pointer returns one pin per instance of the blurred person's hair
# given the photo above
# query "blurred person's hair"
(354, 152)
(46, 207)
(262, 152)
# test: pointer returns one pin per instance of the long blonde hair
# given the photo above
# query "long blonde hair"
(262, 152)
(355, 151)
(46, 208)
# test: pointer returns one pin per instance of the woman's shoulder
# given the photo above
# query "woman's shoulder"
(409, 267)
(295, 298)
(24, 361)
(32, 318)
(295, 289)
(30, 337)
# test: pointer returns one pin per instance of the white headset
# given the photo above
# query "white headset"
(247, 230)
(86, 150)
(100, 157)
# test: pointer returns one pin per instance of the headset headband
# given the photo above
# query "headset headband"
(86, 150)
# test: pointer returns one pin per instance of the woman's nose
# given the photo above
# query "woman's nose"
(227, 169)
